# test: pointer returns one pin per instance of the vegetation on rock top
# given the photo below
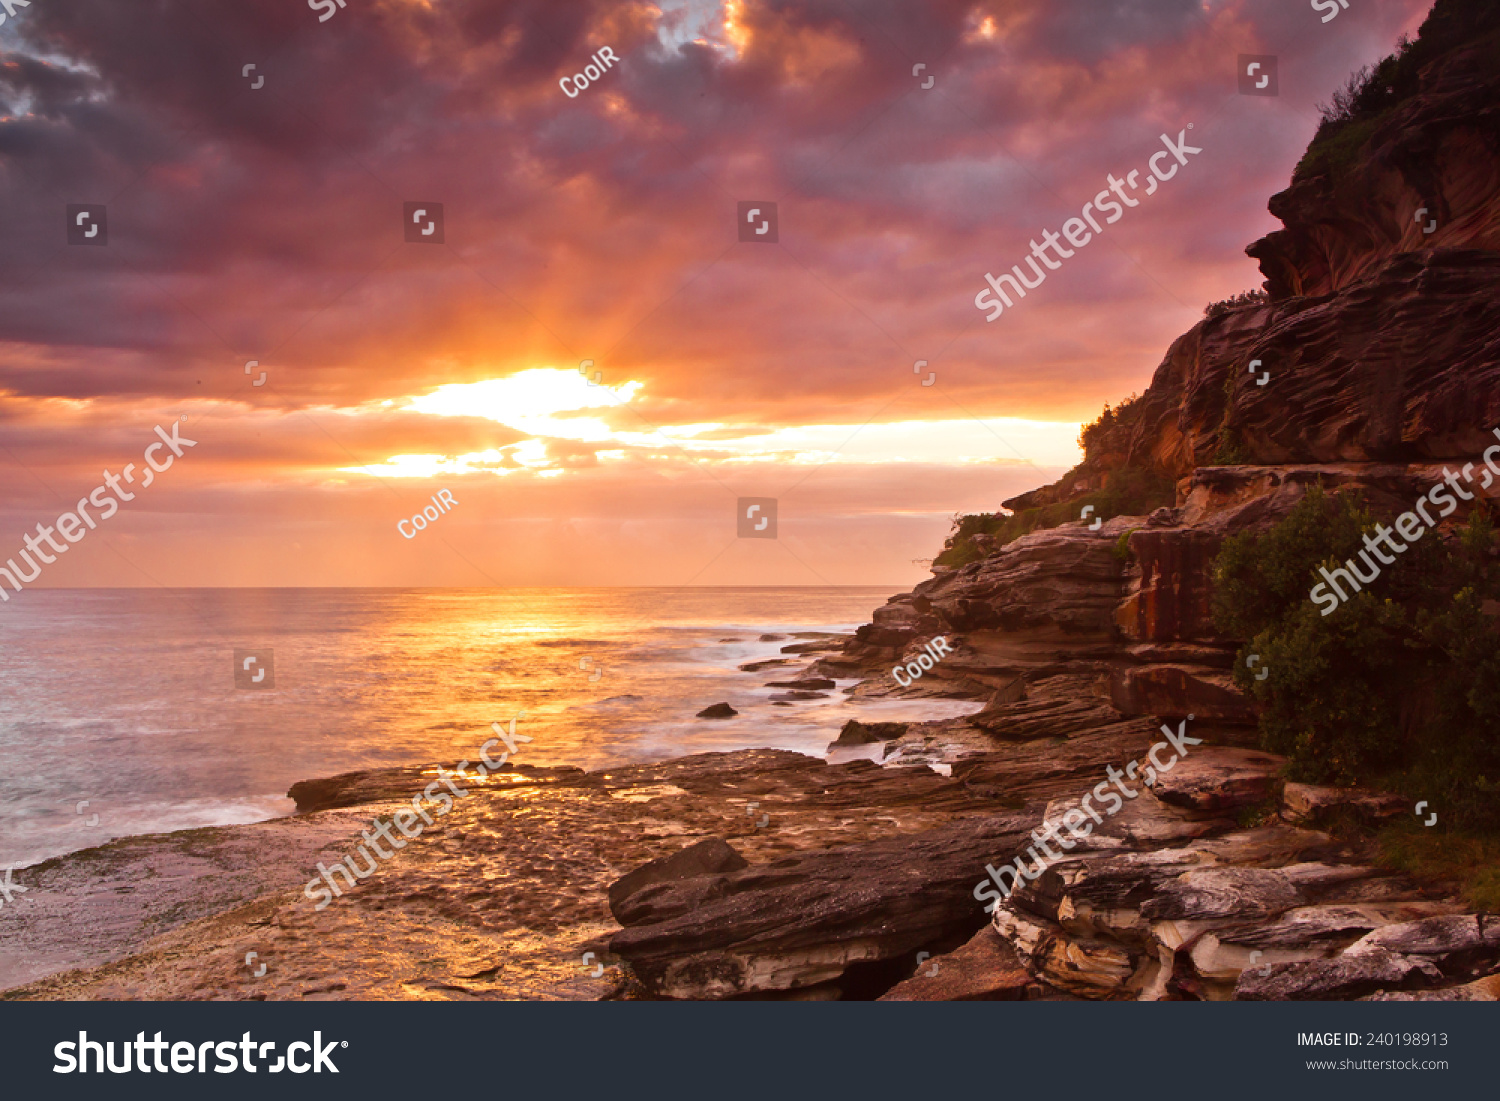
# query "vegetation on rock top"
(1373, 92)
(1399, 687)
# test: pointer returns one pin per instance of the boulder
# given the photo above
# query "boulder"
(1218, 778)
(1240, 893)
(983, 970)
(1179, 690)
(1459, 945)
(1087, 967)
(808, 918)
(831, 644)
(1341, 977)
(718, 711)
(1013, 692)
(858, 733)
(351, 789)
(1310, 804)
(712, 856)
(1054, 707)
(1481, 990)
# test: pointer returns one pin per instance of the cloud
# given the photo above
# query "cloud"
(265, 223)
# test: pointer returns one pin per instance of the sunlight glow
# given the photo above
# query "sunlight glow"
(530, 402)
(1000, 440)
(539, 392)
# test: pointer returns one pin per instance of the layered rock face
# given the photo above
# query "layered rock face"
(1376, 365)
(1172, 900)
(1400, 366)
(1434, 152)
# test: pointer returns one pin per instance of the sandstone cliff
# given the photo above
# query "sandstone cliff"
(1378, 349)
(1381, 339)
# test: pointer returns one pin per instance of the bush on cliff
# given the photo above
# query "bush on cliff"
(1129, 491)
(1095, 436)
(1236, 302)
(1372, 92)
(1398, 687)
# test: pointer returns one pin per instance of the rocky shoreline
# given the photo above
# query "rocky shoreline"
(772, 874)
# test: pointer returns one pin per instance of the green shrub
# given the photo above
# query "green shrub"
(1399, 686)
(1436, 856)
(1337, 154)
(1235, 302)
(1129, 491)
(1230, 451)
(1096, 431)
(1372, 92)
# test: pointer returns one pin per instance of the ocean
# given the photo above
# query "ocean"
(120, 715)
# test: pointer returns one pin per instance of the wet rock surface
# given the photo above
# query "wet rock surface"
(771, 874)
(855, 732)
(985, 969)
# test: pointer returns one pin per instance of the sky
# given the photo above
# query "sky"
(591, 361)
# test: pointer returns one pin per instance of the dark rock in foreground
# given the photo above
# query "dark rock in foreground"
(816, 917)
(710, 857)
(858, 733)
(718, 711)
(983, 970)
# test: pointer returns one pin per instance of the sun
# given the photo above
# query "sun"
(532, 401)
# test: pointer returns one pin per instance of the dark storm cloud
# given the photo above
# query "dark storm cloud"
(1088, 33)
(263, 223)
